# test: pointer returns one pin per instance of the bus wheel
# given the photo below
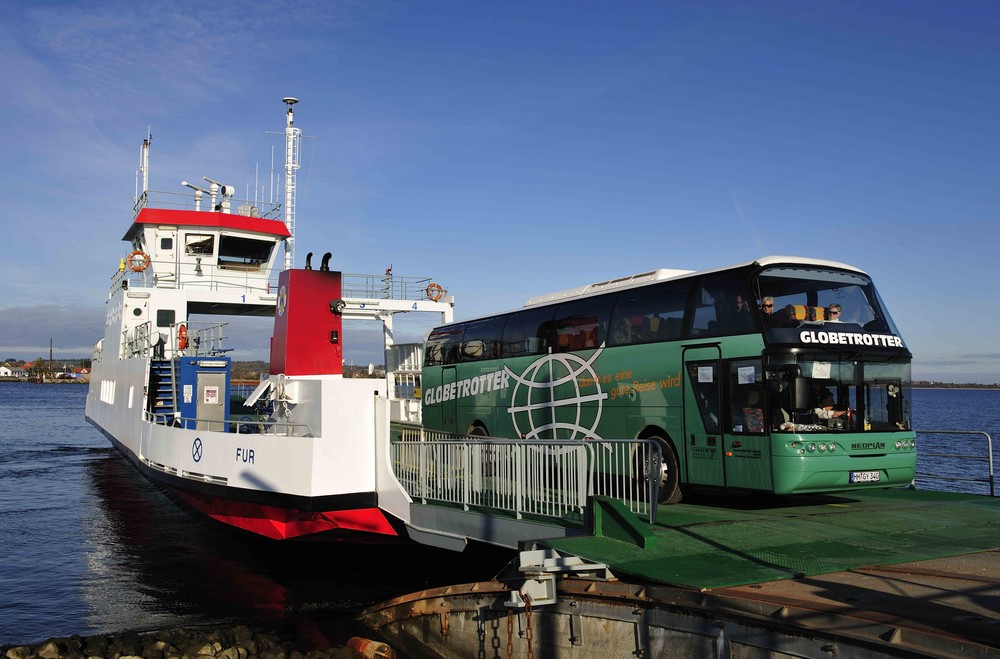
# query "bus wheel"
(670, 477)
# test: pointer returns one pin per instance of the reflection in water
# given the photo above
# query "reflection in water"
(150, 565)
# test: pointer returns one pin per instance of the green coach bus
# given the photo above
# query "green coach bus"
(782, 375)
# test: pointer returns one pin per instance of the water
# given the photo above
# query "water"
(956, 409)
(89, 546)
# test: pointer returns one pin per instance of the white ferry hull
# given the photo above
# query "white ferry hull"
(275, 486)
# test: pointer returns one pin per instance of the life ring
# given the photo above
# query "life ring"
(182, 337)
(138, 260)
(434, 292)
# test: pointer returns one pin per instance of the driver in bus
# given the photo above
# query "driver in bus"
(833, 313)
(826, 411)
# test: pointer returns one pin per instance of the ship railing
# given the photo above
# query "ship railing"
(145, 340)
(953, 466)
(167, 273)
(385, 287)
(186, 201)
(552, 479)
(246, 424)
(204, 339)
(138, 341)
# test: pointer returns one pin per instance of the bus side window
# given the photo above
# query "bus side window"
(649, 313)
(526, 332)
(576, 320)
(443, 345)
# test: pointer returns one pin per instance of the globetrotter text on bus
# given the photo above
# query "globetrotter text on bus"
(481, 384)
(851, 338)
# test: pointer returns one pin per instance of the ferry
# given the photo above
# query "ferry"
(298, 456)
(801, 565)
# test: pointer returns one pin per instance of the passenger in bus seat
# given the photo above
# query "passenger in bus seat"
(767, 306)
(621, 333)
(749, 415)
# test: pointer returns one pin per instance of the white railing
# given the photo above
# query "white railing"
(384, 287)
(247, 424)
(202, 276)
(542, 478)
(186, 201)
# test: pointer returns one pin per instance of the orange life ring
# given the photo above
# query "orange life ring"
(434, 292)
(182, 337)
(138, 260)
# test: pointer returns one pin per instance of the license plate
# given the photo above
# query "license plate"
(865, 476)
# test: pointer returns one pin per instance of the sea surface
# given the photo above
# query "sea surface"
(87, 545)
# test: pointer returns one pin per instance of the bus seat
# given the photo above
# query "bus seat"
(672, 328)
(798, 311)
(819, 313)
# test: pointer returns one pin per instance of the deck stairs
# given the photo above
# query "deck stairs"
(163, 387)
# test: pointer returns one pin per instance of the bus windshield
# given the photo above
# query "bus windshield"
(800, 296)
(831, 392)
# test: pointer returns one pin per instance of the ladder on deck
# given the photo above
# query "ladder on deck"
(164, 389)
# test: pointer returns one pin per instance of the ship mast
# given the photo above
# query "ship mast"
(293, 143)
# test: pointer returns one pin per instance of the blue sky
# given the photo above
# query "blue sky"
(506, 149)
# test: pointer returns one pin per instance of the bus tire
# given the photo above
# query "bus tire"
(670, 476)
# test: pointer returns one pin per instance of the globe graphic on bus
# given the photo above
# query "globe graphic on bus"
(548, 398)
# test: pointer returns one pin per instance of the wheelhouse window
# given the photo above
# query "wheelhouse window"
(243, 253)
(199, 244)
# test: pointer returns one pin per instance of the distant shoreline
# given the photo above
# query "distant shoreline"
(963, 388)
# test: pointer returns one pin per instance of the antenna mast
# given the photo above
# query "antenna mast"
(143, 168)
(293, 143)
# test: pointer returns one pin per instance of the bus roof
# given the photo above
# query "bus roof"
(663, 274)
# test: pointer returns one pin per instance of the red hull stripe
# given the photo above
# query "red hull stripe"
(284, 523)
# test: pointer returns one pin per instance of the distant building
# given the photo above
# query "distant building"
(8, 371)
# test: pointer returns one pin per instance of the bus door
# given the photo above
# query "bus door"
(449, 408)
(703, 415)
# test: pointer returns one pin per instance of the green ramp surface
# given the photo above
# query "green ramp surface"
(702, 546)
